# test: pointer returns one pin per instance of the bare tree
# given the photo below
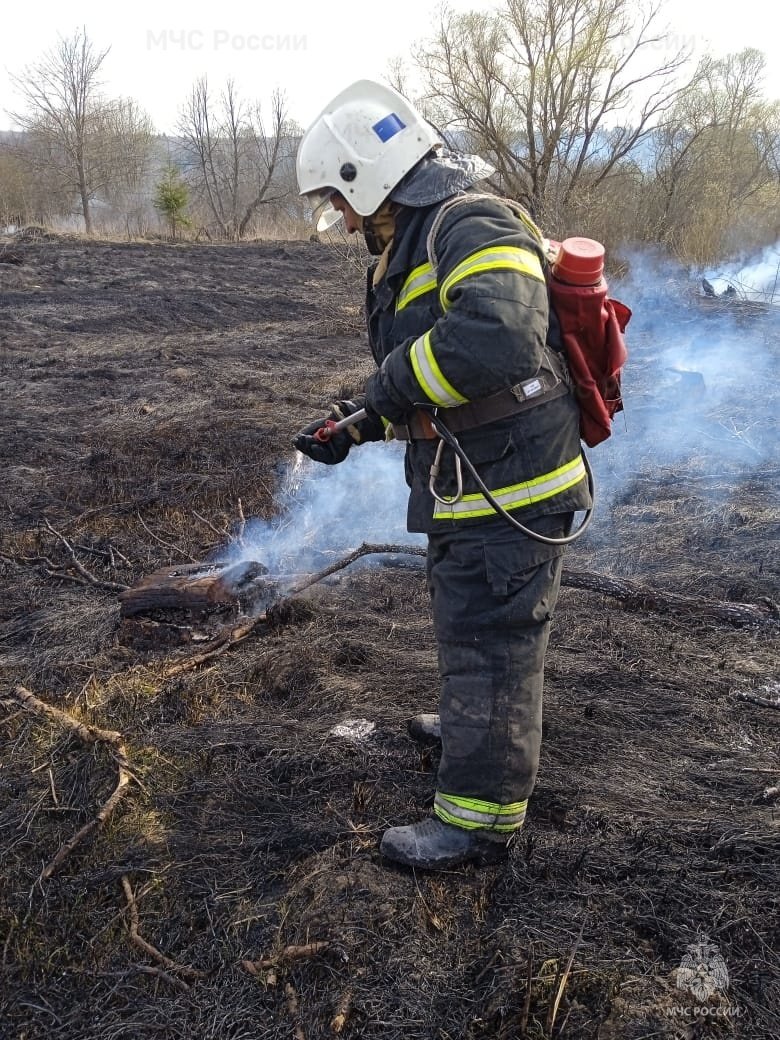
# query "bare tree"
(557, 93)
(234, 154)
(83, 141)
(715, 155)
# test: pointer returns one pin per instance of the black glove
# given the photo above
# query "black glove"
(336, 448)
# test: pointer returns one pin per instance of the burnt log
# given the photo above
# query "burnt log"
(199, 589)
(636, 596)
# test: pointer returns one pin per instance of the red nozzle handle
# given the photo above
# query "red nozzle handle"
(326, 431)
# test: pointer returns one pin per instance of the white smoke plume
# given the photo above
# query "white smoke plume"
(756, 278)
(330, 510)
(698, 384)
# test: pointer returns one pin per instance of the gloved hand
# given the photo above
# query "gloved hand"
(337, 447)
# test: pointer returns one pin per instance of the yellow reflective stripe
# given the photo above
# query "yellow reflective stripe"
(420, 281)
(495, 258)
(430, 376)
(515, 495)
(473, 813)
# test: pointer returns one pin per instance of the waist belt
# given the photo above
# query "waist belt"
(545, 386)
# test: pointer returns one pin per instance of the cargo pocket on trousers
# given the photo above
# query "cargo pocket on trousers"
(513, 560)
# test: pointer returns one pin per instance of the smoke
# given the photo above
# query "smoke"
(756, 279)
(326, 511)
(699, 385)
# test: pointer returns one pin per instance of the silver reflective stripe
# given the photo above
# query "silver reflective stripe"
(473, 813)
(420, 281)
(516, 495)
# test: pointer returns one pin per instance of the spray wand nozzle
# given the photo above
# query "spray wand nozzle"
(331, 426)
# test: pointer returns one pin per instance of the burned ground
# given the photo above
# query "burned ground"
(147, 388)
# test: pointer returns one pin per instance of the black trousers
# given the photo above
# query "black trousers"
(493, 593)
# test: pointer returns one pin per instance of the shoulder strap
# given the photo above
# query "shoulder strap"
(465, 197)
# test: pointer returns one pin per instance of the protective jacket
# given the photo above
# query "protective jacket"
(472, 327)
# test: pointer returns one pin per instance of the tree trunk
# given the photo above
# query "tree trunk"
(84, 195)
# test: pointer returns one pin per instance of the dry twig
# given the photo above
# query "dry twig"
(220, 534)
(149, 969)
(161, 541)
(81, 570)
(229, 636)
(289, 953)
(527, 1002)
(89, 735)
(138, 940)
(239, 537)
(564, 979)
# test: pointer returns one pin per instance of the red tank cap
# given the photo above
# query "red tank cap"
(580, 261)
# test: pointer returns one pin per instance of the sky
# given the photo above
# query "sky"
(309, 49)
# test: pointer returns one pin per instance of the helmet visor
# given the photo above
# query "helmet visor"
(328, 217)
(322, 209)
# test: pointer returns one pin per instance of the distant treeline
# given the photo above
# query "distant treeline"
(589, 112)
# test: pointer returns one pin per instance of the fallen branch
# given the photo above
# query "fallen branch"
(138, 940)
(89, 735)
(365, 549)
(641, 597)
(762, 702)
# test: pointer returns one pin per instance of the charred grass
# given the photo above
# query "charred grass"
(147, 389)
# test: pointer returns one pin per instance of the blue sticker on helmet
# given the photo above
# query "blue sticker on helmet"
(388, 127)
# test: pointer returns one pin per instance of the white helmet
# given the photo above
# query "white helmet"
(361, 145)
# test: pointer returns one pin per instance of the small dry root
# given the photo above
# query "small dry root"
(341, 1013)
(293, 1010)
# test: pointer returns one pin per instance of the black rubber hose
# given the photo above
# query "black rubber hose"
(450, 439)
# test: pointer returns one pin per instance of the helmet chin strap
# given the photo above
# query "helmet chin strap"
(379, 228)
(373, 241)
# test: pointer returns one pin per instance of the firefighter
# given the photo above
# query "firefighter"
(459, 326)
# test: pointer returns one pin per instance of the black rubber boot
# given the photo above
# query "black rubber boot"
(433, 845)
(425, 728)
